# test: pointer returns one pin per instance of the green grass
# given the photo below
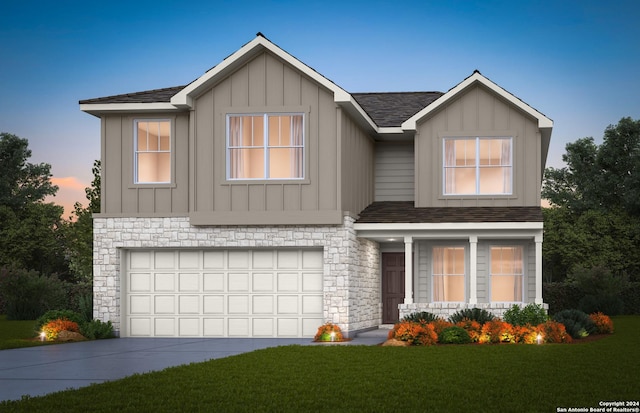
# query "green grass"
(485, 378)
(17, 333)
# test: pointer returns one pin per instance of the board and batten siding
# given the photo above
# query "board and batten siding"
(265, 84)
(478, 112)
(357, 165)
(394, 172)
(120, 195)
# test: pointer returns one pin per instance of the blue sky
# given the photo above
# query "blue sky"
(575, 61)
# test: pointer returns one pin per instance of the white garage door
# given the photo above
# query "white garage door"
(222, 293)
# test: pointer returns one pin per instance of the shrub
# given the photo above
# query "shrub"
(57, 315)
(421, 317)
(96, 329)
(476, 314)
(439, 325)
(27, 294)
(576, 322)
(532, 314)
(526, 334)
(417, 334)
(603, 323)
(454, 335)
(325, 330)
(496, 331)
(631, 298)
(54, 327)
(472, 327)
(561, 296)
(554, 332)
(607, 304)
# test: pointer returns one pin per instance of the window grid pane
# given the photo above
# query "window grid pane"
(282, 149)
(152, 152)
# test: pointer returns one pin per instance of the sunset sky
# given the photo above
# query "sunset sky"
(575, 61)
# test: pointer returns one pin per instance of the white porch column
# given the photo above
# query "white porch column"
(538, 239)
(408, 270)
(473, 269)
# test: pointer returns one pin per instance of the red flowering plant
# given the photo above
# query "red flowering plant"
(439, 325)
(603, 323)
(526, 334)
(417, 334)
(329, 332)
(473, 328)
(553, 332)
(496, 331)
(54, 327)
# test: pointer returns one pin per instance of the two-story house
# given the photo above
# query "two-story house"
(263, 200)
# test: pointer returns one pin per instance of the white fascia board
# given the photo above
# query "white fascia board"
(347, 101)
(543, 121)
(466, 226)
(127, 107)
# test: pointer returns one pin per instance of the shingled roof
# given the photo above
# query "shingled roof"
(147, 96)
(392, 108)
(395, 212)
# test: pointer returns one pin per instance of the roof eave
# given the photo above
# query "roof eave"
(98, 108)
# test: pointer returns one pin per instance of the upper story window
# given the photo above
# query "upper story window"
(265, 146)
(152, 158)
(478, 166)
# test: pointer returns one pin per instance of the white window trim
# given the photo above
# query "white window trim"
(135, 151)
(265, 146)
(477, 166)
(465, 273)
(524, 272)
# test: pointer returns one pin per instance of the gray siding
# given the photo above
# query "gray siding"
(357, 165)
(478, 112)
(394, 172)
(120, 196)
(265, 84)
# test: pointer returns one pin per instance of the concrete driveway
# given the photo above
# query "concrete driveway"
(36, 371)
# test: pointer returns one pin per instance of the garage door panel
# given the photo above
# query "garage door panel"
(165, 327)
(238, 282)
(140, 304)
(238, 304)
(262, 282)
(238, 327)
(189, 304)
(213, 281)
(223, 293)
(287, 282)
(164, 282)
(262, 304)
(164, 304)
(139, 282)
(188, 282)
(164, 260)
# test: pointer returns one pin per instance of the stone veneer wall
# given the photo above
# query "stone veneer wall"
(351, 264)
(446, 309)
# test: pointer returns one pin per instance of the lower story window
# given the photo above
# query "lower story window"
(448, 274)
(507, 273)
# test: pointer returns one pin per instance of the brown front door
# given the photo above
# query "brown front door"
(392, 286)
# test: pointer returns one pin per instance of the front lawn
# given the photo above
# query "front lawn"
(448, 378)
(17, 333)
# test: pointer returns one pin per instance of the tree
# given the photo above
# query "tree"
(79, 233)
(605, 177)
(29, 228)
(21, 182)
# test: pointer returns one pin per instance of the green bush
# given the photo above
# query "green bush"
(420, 317)
(27, 294)
(607, 304)
(454, 335)
(577, 323)
(96, 329)
(631, 298)
(561, 296)
(532, 314)
(58, 314)
(474, 314)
